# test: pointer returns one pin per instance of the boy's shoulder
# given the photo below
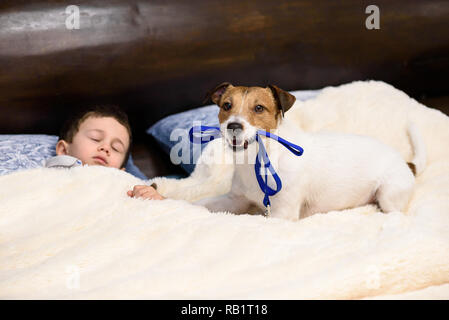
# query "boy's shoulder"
(62, 162)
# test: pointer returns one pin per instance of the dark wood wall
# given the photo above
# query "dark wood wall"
(160, 57)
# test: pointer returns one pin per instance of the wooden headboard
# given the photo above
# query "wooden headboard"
(156, 58)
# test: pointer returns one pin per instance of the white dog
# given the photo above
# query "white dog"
(335, 172)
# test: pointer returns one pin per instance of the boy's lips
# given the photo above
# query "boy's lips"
(100, 159)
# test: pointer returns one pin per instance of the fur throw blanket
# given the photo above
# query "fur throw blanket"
(75, 234)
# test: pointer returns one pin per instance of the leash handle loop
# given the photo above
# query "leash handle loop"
(203, 138)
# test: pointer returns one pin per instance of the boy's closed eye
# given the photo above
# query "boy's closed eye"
(95, 136)
(118, 147)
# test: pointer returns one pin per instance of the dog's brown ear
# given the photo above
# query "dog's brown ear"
(216, 93)
(284, 99)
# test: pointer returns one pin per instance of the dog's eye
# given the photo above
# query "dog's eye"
(227, 106)
(258, 108)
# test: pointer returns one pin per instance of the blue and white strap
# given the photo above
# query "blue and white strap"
(262, 156)
(207, 134)
(202, 130)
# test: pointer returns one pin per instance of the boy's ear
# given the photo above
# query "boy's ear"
(62, 148)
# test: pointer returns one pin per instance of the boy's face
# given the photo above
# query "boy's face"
(99, 141)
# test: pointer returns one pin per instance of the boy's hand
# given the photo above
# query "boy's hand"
(145, 192)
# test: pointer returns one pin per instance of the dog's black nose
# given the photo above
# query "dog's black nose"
(235, 126)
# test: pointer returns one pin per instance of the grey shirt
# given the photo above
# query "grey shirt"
(62, 162)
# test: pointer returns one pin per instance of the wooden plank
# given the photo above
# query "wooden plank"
(159, 57)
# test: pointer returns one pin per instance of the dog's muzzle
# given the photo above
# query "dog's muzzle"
(234, 136)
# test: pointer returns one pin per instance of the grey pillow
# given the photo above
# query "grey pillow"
(26, 151)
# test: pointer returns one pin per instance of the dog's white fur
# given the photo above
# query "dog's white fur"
(337, 171)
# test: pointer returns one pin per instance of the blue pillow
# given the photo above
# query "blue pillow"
(26, 151)
(172, 131)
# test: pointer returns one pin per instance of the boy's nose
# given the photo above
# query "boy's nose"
(104, 148)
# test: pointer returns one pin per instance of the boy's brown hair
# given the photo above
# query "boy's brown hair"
(72, 125)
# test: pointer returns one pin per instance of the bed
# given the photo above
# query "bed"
(74, 234)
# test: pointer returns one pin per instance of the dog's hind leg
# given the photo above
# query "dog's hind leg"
(395, 194)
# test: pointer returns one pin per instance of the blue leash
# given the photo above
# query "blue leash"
(262, 156)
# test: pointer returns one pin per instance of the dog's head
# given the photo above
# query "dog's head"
(244, 110)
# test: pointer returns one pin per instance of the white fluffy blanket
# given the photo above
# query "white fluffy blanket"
(76, 234)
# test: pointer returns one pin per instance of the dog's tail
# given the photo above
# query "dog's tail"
(419, 160)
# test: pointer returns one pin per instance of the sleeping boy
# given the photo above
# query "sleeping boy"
(98, 136)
